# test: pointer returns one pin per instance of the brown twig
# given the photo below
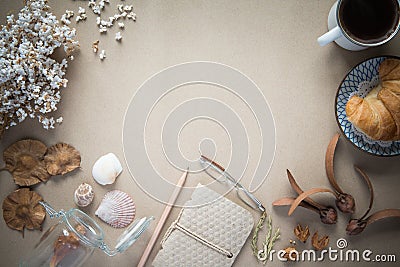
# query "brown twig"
(383, 214)
(345, 202)
(330, 154)
(305, 194)
(327, 215)
(299, 191)
(371, 190)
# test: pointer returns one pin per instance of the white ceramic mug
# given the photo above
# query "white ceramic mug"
(339, 35)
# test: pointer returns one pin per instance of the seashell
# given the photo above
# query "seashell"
(83, 195)
(106, 169)
(117, 209)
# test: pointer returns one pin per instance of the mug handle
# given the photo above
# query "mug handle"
(330, 36)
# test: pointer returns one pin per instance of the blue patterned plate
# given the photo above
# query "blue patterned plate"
(362, 74)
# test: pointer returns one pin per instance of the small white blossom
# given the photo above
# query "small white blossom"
(128, 8)
(131, 16)
(102, 55)
(121, 25)
(81, 10)
(102, 29)
(59, 120)
(30, 79)
(118, 36)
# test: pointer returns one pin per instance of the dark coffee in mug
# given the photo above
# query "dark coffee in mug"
(369, 21)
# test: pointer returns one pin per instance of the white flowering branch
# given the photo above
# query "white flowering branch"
(30, 80)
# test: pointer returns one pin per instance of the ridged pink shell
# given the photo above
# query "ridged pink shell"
(117, 209)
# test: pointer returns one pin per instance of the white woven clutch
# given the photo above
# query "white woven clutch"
(211, 235)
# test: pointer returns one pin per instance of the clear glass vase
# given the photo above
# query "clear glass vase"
(72, 240)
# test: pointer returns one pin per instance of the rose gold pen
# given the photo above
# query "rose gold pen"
(162, 220)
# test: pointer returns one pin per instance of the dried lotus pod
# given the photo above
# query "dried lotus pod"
(62, 158)
(21, 209)
(24, 160)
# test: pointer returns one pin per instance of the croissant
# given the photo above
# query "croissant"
(378, 114)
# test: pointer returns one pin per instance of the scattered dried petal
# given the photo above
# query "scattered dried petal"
(291, 254)
(95, 46)
(319, 244)
(302, 233)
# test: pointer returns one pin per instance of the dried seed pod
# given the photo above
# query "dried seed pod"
(21, 209)
(356, 226)
(328, 215)
(319, 244)
(24, 160)
(302, 234)
(345, 202)
(61, 159)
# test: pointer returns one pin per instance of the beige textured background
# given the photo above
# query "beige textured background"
(271, 41)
